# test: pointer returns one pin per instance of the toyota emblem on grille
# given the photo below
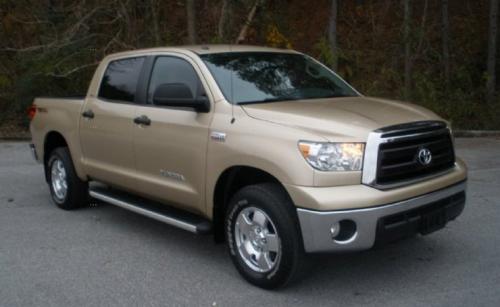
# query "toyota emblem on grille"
(424, 156)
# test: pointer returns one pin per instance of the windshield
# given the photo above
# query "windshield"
(259, 77)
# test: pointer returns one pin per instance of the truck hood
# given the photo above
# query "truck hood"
(339, 119)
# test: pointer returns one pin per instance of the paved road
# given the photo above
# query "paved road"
(104, 255)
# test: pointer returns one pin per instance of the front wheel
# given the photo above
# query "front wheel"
(263, 237)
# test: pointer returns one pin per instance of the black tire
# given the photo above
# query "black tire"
(76, 195)
(273, 200)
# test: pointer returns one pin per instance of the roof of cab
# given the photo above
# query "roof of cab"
(204, 49)
(207, 49)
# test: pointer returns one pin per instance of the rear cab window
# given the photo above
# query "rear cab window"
(119, 83)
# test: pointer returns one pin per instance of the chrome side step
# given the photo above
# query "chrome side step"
(159, 212)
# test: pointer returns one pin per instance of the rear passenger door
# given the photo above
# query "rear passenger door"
(107, 127)
(171, 150)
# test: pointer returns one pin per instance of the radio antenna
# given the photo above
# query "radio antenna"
(232, 90)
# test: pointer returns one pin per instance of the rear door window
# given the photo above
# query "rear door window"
(120, 79)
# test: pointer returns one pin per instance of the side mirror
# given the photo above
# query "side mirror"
(179, 95)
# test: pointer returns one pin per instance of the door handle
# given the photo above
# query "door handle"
(142, 120)
(88, 114)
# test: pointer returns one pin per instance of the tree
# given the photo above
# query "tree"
(225, 20)
(445, 24)
(51, 47)
(332, 33)
(251, 15)
(153, 6)
(407, 42)
(492, 51)
(191, 21)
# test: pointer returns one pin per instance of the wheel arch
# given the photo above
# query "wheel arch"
(53, 140)
(228, 183)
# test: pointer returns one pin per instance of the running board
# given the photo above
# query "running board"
(159, 212)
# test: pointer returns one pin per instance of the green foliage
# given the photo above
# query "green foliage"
(460, 104)
(58, 41)
(326, 55)
(324, 52)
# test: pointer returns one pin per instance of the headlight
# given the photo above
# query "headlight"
(333, 156)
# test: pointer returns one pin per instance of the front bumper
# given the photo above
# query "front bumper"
(364, 227)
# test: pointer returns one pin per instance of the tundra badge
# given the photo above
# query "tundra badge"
(218, 136)
(172, 175)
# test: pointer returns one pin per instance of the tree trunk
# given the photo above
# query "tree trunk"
(191, 21)
(492, 51)
(332, 33)
(156, 27)
(225, 20)
(445, 22)
(250, 17)
(407, 29)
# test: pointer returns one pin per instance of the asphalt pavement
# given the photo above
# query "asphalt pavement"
(105, 256)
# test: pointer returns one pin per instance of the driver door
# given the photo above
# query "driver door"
(171, 147)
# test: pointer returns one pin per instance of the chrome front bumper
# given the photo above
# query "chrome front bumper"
(319, 228)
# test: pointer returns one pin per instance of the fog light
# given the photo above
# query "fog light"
(334, 230)
(343, 231)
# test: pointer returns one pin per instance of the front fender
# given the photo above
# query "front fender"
(263, 145)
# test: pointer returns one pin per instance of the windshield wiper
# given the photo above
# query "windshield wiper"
(276, 99)
(331, 96)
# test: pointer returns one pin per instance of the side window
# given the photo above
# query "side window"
(120, 79)
(173, 71)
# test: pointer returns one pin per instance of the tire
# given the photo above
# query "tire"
(68, 191)
(269, 263)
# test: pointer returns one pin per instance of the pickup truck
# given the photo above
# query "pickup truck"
(267, 149)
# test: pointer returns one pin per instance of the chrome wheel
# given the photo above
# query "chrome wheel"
(257, 240)
(58, 180)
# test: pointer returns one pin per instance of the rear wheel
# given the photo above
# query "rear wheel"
(263, 237)
(67, 190)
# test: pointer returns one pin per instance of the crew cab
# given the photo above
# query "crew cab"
(266, 149)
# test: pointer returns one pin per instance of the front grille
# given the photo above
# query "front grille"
(398, 161)
(397, 150)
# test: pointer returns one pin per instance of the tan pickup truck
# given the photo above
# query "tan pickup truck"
(266, 149)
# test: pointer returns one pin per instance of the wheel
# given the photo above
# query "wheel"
(263, 236)
(67, 190)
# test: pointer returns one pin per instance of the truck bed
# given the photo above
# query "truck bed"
(59, 115)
